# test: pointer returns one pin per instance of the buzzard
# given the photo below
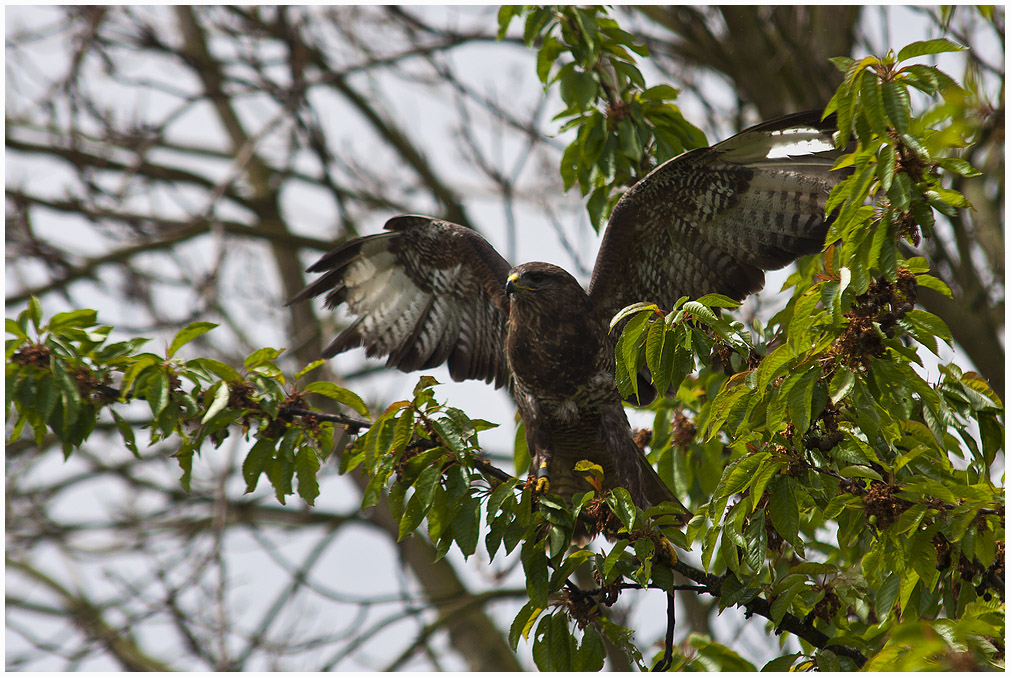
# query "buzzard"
(428, 292)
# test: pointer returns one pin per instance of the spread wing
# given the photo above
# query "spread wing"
(425, 293)
(713, 219)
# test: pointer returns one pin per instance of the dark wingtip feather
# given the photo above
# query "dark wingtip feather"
(349, 338)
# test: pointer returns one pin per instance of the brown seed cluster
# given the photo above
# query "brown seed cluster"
(94, 387)
(642, 437)
(682, 430)
(827, 606)
(617, 111)
(32, 355)
(881, 503)
(240, 396)
(581, 607)
(873, 317)
(600, 519)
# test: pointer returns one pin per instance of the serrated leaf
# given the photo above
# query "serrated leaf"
(309, 367)
(523, 622)
(896, 103)
(827, 661)
(218, 402)
(126, 432)
(466, 526)
(535, 565)
(784, 511)
(924, 47)
(256, 461)
(157, 392)
(660, 93)
(610, 561)
(622, 504)
(860, 471)
(781, 664)
(873, 103)
(306, 470)
(959, 166)
(187, 334)
(841, 384)
(342, 395)
(34, 313)
(75, 318)
(885, 166)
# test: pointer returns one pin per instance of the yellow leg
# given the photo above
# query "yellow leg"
(543, 484)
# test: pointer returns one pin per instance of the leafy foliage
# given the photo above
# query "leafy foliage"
(837, 492)
(62, 374)
(862, 494)
(624, 128)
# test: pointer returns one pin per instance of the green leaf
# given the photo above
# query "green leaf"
(74, 318)
(12, 327)
(535, 564)
(126, 432)
(549, 52)
(887, 594)
(925, 47)
(309, 367)
(342, 395)
(610, 561)
(827, 661)
(219, 400)
(959, 166)
(885, 166)
(622, 504)
(306, 470)
(841, 384)
(660, 93)
(739, 476)
(863, 471)
(591, 652)
(523, 621)
(219, 369)
(157, 392)
(34, 312)
(631, 143)
(896, 103)
(256, 461)
(629, 354)
(781, 603)
(560, 644)
(781, 664)
(873, 103)
(187, 334)
(466, 526)
(784, 511)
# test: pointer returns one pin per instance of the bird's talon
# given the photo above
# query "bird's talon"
(542, 486)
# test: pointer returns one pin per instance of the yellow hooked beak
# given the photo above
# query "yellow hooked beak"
(511, 284)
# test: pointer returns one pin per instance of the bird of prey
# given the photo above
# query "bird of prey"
(711, 220)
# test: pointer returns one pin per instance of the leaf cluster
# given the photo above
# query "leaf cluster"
(62, 374)
(831, 476)
(623, 128)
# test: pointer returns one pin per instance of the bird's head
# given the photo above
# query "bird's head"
(536, 281)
